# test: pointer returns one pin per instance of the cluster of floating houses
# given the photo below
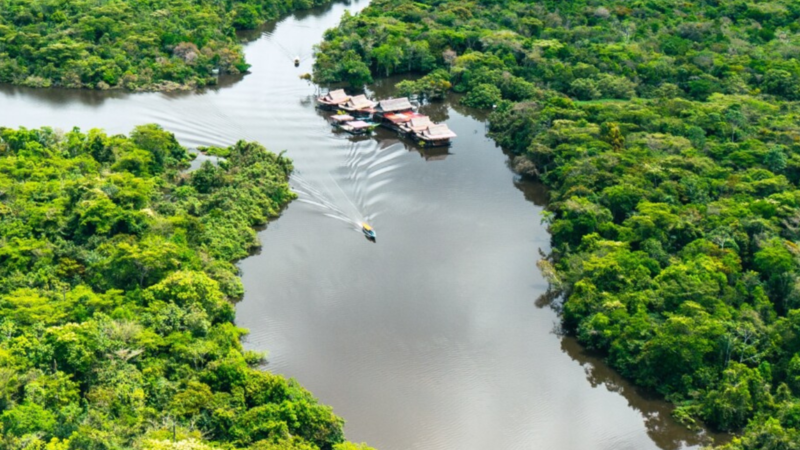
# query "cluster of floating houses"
(359, 115)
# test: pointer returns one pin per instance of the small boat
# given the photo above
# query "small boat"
(296, 61)
(368, 232)
(349, 124)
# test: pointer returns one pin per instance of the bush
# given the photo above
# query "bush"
(483, 96)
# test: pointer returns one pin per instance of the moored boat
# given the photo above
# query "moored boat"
(341, 118)
(349, 124)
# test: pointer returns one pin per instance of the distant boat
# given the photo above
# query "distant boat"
(296, 61)
(368, 231)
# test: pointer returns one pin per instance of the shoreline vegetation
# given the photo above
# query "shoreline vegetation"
(116, 300)
(133, 45)
(668, 136)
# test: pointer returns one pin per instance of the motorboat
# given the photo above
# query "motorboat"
(349, 124)
(368, 231)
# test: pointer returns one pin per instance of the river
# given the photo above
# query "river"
(430, 338)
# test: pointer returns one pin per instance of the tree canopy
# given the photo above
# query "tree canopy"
(130, 44)
(116, 291)
(668, 135)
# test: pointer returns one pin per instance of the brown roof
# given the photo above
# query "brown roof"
(419, 123)
(334, 97)
(395, 104)
(338, 94)
(359, 102)
(437, 131)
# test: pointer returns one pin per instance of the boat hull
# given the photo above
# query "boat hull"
(369, 234)
(327, 106)
(428, 144)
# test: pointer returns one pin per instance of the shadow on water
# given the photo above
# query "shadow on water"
(656, 412)
(533, 190)
(60, 96)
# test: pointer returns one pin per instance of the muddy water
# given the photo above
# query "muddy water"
(428, 339)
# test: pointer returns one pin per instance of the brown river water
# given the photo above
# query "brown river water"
(430, 338)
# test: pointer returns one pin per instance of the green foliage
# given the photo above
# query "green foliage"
(432, 86)
(116, 298)
(669, 138)
(136, 45)
(483, 96)
(609, 49)
(674, 227)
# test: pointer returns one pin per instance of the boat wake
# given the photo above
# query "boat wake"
(353, 193)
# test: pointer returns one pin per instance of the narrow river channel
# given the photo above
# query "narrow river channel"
(430, 338)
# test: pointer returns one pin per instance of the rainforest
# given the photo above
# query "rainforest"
(668, 135)
(132, 45)
(116, 301)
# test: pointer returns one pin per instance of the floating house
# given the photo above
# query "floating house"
(397, 121)
(416, 124)
(333, 99)
(393, 106)
(359, 105)
(349, 124)
(435, 135)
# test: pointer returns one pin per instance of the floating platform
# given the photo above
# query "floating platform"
(398, 121)
(359, 106)
(435, 135)
(332, 100)
(348, 123)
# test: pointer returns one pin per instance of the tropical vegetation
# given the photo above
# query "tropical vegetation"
(668, 135)
(128, 44)
(117, 286)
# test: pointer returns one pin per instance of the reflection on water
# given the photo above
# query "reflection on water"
(655, 411)
(429, 339)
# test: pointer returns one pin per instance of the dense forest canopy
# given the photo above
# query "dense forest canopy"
(668, 133)
(131, 44)
(116, 291)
